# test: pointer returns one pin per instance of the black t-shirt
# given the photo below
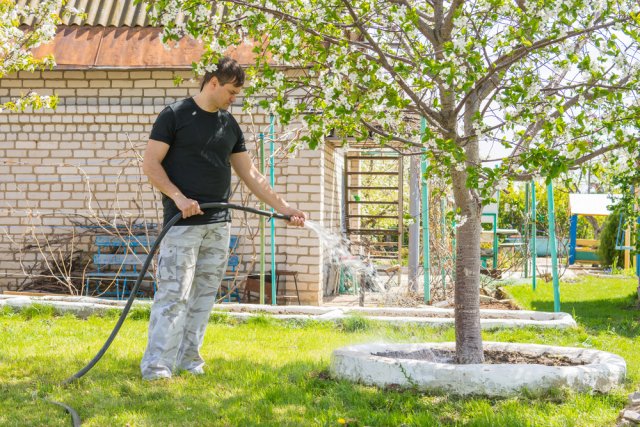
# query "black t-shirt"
(198, 158)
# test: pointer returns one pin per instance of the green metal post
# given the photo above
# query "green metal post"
(262, 248)
(272, 182)
(534, 232)
(524, 232)
(554, 248)
(495, 240)
(426, 259)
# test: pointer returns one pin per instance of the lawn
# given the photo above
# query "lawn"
(273, 373)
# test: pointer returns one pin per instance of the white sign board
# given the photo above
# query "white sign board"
(591, 204)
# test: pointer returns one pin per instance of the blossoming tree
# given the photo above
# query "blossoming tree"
(549, 85)
(23, 28)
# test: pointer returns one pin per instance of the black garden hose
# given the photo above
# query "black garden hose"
(213, 205)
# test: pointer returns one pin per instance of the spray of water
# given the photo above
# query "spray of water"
(338, 249)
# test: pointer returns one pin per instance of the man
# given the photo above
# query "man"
(192, 147)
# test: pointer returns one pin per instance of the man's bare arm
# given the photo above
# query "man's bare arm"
(258, 185)
(152, 168)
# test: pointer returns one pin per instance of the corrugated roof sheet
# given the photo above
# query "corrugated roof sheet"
(105, 13)
(83, 47)
(119, 34)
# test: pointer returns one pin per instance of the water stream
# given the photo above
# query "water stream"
(337, 248)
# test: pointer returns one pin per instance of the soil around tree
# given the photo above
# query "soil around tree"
(283, 310)
(491, 357)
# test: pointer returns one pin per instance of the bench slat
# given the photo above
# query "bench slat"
(119, 259)
(124, 241)
(115, 274)
(123, 262)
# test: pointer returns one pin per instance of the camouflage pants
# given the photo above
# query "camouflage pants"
(191, 265)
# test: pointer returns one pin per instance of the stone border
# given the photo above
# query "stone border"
(431, 316)
(602, 372)
(630, 415)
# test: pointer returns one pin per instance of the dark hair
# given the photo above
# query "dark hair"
(228, 71)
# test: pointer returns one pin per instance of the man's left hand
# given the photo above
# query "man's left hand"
(297, 216)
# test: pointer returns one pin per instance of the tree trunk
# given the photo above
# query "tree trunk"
(597, 228)
(467, 281)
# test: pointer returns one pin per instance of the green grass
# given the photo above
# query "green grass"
(272, 373)
(599, 304)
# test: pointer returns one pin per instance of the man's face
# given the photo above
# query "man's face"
(224, 95)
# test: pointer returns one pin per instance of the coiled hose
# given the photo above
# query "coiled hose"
(212, 205)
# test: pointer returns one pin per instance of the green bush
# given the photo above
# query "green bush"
(6, 311)
(218, 317)
(262, 319)
(140, 313)
(355, 324)
(38, 310)
(607, 252)
(111, 313)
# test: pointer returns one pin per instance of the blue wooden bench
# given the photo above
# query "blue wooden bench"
(116, 273)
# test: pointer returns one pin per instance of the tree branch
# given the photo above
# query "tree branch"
(389, 136)
(447, 25)
(535, 127)
(505, 61)
(302, 26)
(574, 164)
(432, 116)
(425, 29)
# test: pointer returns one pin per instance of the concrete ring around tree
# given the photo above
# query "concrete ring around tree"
(598, 370)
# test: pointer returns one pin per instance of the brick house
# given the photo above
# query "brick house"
(69, 174)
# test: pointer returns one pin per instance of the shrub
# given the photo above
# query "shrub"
(218, 317)
(261, 319)
(6, 311)
(355, 324)
(37, 310)
(607, 252)
(140, 313)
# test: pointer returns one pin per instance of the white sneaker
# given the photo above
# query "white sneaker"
(199, 370)
(157, 376)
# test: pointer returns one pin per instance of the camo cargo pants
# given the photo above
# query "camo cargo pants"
(191, 265)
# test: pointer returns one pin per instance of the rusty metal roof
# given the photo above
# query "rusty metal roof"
(79, 47)
(103, 13)
(119, 34)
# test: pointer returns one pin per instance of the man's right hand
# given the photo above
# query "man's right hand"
(187, 206)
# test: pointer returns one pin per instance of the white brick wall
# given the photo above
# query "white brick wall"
(60, 168)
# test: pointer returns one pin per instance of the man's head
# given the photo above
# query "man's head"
(225, 83)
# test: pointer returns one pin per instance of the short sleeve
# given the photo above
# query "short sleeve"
(164, 128)
(240, 146)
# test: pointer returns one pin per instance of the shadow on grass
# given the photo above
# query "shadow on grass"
(248, 390)
(244, 392)
(620, 315)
